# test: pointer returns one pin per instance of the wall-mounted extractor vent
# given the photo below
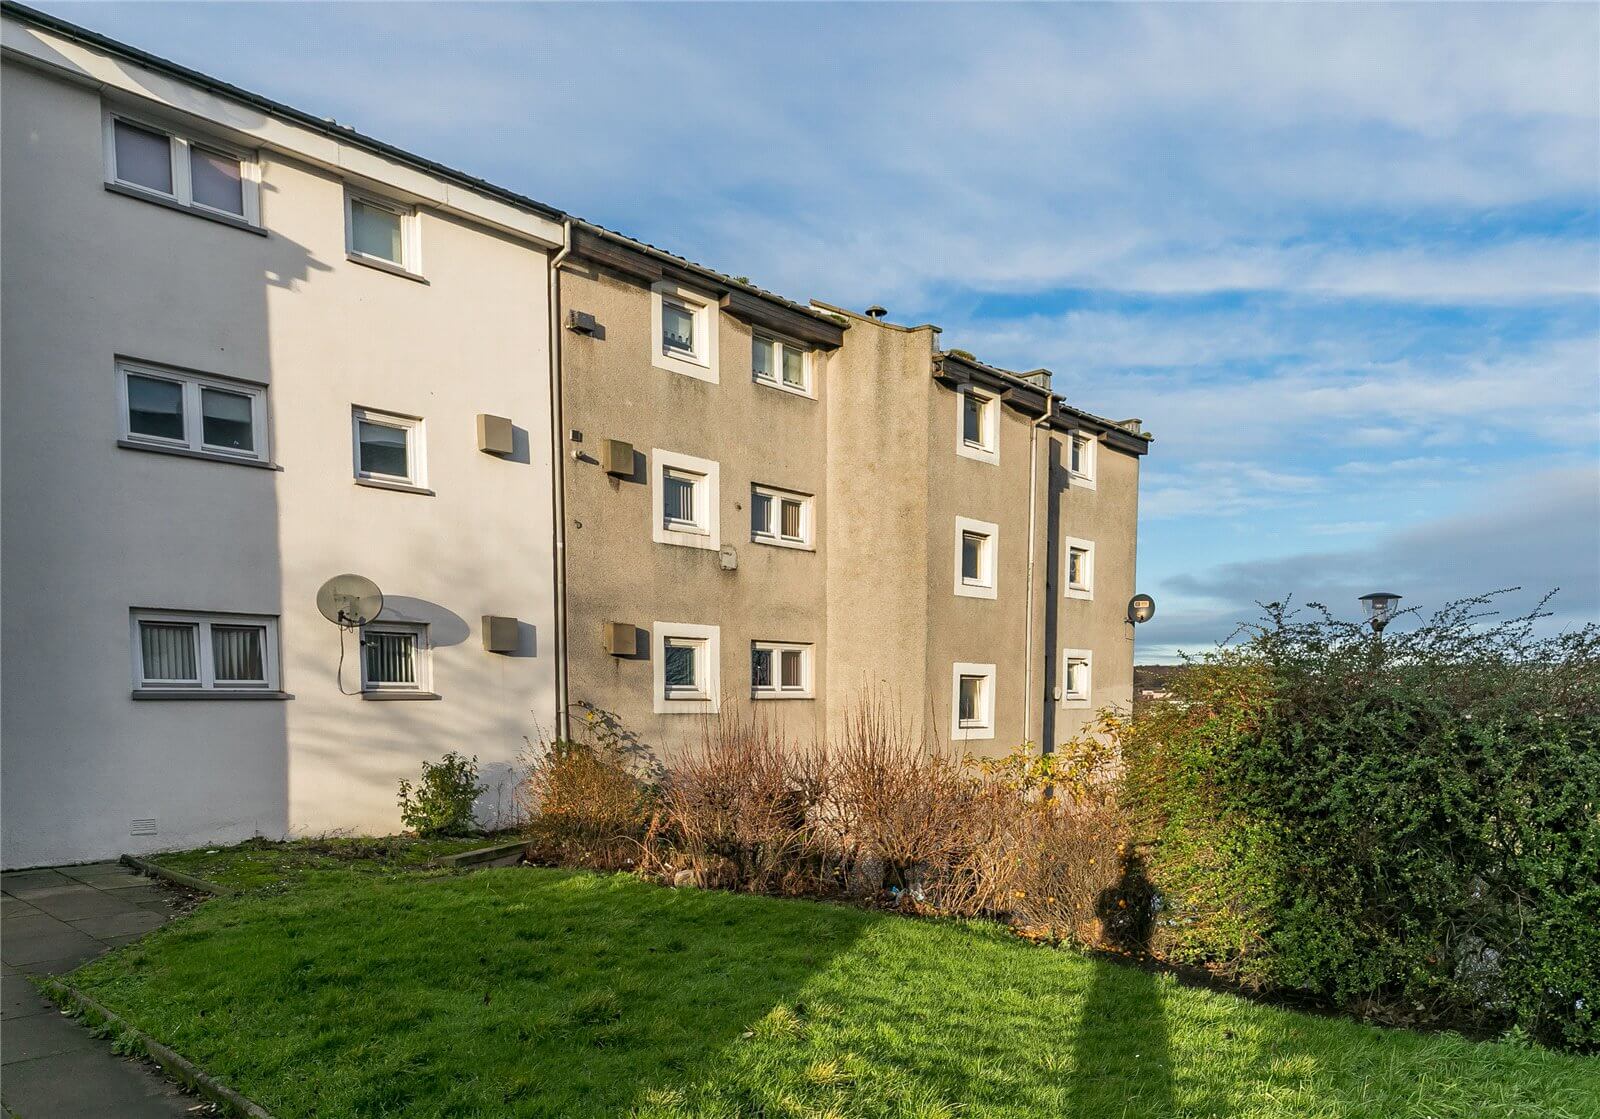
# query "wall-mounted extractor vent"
(142, 827)
(581, 322)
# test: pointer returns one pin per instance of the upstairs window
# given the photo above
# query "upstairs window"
(1078, 561)
(977, 425)
(388, 449)
(780, 517)
(681, 512)
(181, 651)
(781, 364)
(780, 670)
(382, 232)
(977, 545)
(684, 328)
(207, 176)
(684, 499)
(1081, 456)
(212, 416)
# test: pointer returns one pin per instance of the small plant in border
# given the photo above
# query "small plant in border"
(441, 802)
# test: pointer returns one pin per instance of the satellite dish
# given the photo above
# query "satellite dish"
(350, 600)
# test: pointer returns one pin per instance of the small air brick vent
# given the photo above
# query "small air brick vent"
(142, 827)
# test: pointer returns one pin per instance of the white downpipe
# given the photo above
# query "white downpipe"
(1033, 518)
(558, 504)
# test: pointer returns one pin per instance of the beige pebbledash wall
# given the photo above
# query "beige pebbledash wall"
(611, 389)
(93, 530)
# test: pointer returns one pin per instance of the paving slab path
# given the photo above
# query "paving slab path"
(51, 921)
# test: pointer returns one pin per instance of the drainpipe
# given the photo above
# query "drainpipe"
(558, 502)
(1033, 518)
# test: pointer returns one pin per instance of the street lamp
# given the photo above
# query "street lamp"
(1380, 608)
(1141, 608)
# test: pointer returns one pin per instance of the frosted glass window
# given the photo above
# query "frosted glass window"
(794, 368)
(376, 232)
(143, 157)
(217, 180)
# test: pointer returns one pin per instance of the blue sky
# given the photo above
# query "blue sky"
(1344, 262)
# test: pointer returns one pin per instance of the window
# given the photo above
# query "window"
(383, 232)
(781, 364)
(1080, 458)
(177, 651)
(207, 176)
(972, 702)
(684, 500)
(977, 551)
(687, 672)
(684, 331)
(1078, 560)
(395, 658)
(389, 449)
(1076, 677)
(780, 671)
(172, 410)
(780, 517)
(977, 425)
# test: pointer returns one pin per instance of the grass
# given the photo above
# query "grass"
(261, 863)
(520, 992)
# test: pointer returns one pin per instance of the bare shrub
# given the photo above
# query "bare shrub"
(590, 800)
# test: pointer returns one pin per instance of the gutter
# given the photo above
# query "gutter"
(558, 474)
(1033, 521)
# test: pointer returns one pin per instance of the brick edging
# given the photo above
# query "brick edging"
(172, 1063)
(176, 877)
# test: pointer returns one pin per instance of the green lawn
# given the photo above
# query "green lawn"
(260, 863)
(522, 992)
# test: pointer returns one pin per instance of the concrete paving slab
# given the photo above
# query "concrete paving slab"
(27, 1039)
(29, 940)
(80, 902)
(92, 1084)
(20, 999)
(84, 871)
(15, 907)
(60, 965)
(133, 923)
(22, 883)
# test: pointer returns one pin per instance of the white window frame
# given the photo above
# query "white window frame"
(781, 345)
(707, 700)
(806, 541)
(707, 532)
(179, 143)
(193, 419)
(776, 690)
(205, 656)
(416, 448)
(1085, 475)
(988, 585)
(981, 729)
(421, 657)
(1085, 588)
(1068, 697)
(988, 447)
(701, 362)
(410, 261)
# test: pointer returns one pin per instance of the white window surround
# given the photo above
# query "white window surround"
(1086, 447)
(781, 348)
(416, 475)
(773, 533)
(776, 688)
(987, 585)
(981, 727)
(987, 447)
(192, 387)
(707, 643)
(421, 657)
(1076, 670)
(410, 261)
(202, 651)
(182, 145)
(707, 530)
(1084, 587)
(700, 361)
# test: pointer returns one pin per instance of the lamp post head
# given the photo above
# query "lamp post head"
(1380, 607)
(1141, 608)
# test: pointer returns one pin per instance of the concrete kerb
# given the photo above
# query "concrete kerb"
(172, 1063)
(176, 877)
(501, 854)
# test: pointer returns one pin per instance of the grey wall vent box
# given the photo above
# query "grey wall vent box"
(494, 434)
(580, 322)
(622, 639)
(617, 457)
(499, 634)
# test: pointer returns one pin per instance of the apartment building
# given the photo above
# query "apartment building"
(245, 350)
